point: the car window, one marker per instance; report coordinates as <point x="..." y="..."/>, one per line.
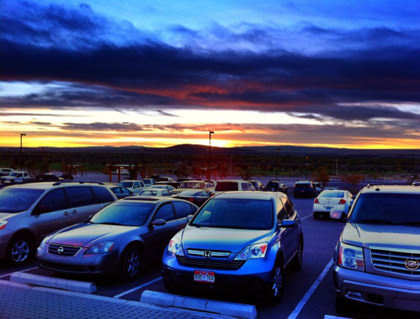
<point x="241" y="213"/>
<point x="79" y="196"/>
<point x="281" y="211"/>
<point x="289" y="209"/>
<point x="102" y="195"/>
<point x="183" y="209"/>
<point x="226" y="186"/>
<point x="13" y="200"/>
<point x="332" y="194"/>
<point x="247" y="187"/>
<point x="53" y="201"/>
<point x="165" y="212"/>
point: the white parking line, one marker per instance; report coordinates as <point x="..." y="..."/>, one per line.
<point x="309" y="293"/>
<point x="10" y="273"/>
<point x="307" y="216"/>
<point x="138" y="287"/>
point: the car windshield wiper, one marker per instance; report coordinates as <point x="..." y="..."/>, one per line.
<point x="374" y="221"/>
<point x="111" y="223"/>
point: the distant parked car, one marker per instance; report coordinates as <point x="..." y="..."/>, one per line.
<point x="240" y="241"/>
<point x="233" y="185"/>
<point x="6" y="171"/>
<point x="150" y="191"/>
<point x="119" y="239"/>
<point x="148" y="182"/>
<point x="196" y="196"/>
<point x="318" y="187"/>
<point x="339" y="200"/>
<point x="304" y="189"/>
<point x="257" y="184"/>
<point x="377" y="258"/>
<point x="31" y="211"/>
<point x="276" y="186"/>
<point x="121" y="191"/>
<point x="47" y="177"/>
<point x="169" y="188"/>
<point x="16" y="177"/>
<point x="133" y="185"/>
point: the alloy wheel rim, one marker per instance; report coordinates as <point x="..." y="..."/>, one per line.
<point x="133" y="263"/>
<point x="20" y="251"/>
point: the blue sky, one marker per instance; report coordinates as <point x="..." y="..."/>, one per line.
<point x="328" y="73"/>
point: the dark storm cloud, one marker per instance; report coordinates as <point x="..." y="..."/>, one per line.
<point x="123" y="68"/>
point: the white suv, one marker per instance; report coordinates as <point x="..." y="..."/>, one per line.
<point x="16" y="177"/>
<point x="233" y="185"/>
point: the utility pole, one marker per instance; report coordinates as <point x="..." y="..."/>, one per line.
<point x="209" y="166"/>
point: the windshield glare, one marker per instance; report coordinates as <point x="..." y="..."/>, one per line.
<point x="235" y="213"/>
<point x="127" y="214"/>
<point x="14" y="200"/>
<point x="384" y="208"/>
<point x="332" y="194"/>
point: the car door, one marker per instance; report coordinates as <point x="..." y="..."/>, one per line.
<point x="288" y="235"/>
<point x="51" y="213"/>
<point x="82" y="203"/>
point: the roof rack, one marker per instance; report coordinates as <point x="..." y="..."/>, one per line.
<point x="77" y="182"/>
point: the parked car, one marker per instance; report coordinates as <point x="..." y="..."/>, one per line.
<point x="339" y="200"/>
<point x="233" y="185"/>
<point x="169" y="188"/>
<point x="6" y="171"/>
<point x="276" y="186"/>
<point x="133" y="185"/>
<point x="150" y="191"/>
<point x="304" y="189"/>
<point x="121" y="191"/>
<point x="377" y="258"/>
<point x="257" y="184"/>
<point x="47" y="177"/>
<point x="237" y="240"/>
<point x="119" y="239"/>
<point x="196" y="184"/>
<point x="29" y="212"/>
<point x="16" y="177"/>
<point x="174" y="184"/>
<point x="148" y="182"/>
<point x="196" y="196"/>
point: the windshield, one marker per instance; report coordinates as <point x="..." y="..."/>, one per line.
<point x="126" y="184"/>
<point x="302" y="186"/>
<point x="226" y="186"/>
<point x="235" y="213"/>
<point x="14" y="200"/>
<point x="400" y="209"/>
<point x="123" y="213"/>
<point x="192" y="185"/>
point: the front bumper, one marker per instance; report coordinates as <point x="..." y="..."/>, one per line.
<point x="376" y="289"/>
<point x="98" y="264"/>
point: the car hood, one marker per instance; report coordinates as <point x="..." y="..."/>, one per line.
<point x="86" y="234"/>
<point x="233" y="240"/>
<point x="393" y="236"/>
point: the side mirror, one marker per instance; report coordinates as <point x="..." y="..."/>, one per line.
<point x="158" y="222"/>
<point x="287" y="223"/>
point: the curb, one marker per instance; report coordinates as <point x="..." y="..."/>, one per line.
<point x="66" y="284"/>
<point x="233" y="309"/>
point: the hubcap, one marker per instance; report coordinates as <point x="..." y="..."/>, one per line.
<point x="20" y="251"/>
<point x="133" y="263"/>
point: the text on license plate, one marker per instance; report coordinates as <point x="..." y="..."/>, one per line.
<point x="204" y="276"/>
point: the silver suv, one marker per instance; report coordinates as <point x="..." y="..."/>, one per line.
<point x="377" y="259"/>
<point x="31" y="211"/>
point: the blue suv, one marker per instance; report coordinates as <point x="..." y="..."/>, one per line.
<point x="239" y="240"/>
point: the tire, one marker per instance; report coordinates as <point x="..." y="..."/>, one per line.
<point x="21" y="250"/>
<point x="298" y="259"/>
<point x="274" y="290"/>
<point x="130" y="263"/>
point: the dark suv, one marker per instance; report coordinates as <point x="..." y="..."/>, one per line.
<point x="304" y="189"/>
<point x="31" y="211"/>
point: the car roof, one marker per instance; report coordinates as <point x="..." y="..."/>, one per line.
<point x="232" y="180"/>
<point x="396" y="189"/>
<point x="47" y="185"/>
<point x="250" y="195"/>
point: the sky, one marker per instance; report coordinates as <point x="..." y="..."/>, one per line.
<point x="257" y="73"/>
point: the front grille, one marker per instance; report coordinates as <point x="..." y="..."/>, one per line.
<point x="63" y="250"/>
<point x="210" y="263"/>
<point x="400" y="262"/>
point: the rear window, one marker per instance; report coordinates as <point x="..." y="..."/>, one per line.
<point x="399" y="209"/>
<point x="226" y="186"/>
<point x="14" y="200"/>
<point x="236" y="213"/>
<point x="332" y="194"/>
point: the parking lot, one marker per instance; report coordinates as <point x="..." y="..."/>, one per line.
<point x="308" y="293"/>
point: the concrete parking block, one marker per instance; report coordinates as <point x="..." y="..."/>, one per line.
<point x="67" y="284"/>
<point x="233" y="309"/>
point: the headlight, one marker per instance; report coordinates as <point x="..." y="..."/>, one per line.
<point x="350" y="257"/>
<point x="3" y="224"/>
<point x="253" y="252"/>
<point x="175" y="246"/>
<point x="101" y="248"/>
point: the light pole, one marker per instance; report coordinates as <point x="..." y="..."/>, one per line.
<point x="209" y="167"/>
<point x="21" y="154"/>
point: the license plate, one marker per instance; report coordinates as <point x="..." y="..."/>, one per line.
<point x="328" y="207"/>
<point x="204" y="276"/>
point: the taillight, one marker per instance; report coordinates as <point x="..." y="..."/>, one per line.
<point x="316" y="201"/>
<point x="342" y="201"/>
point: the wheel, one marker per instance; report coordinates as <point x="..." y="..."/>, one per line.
<point x="21" y="249"/>
<point x="130" y="263"/>
<point x="298" y="259"/>
<point x="316" y="215"/>
<point x="274" y="290"/>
